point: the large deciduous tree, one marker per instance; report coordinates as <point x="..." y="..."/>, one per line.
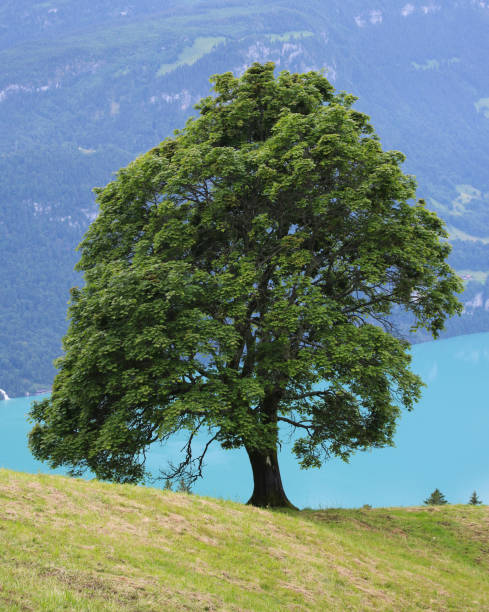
<point x="239" y="281"/>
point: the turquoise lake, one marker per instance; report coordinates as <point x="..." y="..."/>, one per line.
<point x="443" y="443"/>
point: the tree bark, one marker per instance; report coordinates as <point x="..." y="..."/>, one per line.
<point x="268" y="491"/>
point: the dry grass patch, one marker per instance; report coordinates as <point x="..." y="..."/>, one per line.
<point x="79" y="545"/>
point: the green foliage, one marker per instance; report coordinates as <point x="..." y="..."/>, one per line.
<point x="436" y="499"/>
<point x="474" y="499"/>
<point x="240" y="276"/>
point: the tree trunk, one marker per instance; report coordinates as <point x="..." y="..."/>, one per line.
<point x="268" y="491"/>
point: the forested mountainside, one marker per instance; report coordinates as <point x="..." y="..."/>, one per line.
<point x="85" y="87"/>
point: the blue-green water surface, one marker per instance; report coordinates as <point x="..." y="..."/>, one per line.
<point x="443" y="443"/>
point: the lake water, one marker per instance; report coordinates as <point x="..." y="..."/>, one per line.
<point x="443" y="443"/>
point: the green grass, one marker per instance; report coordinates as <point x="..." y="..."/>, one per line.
<point x="70" y="544"/>
<point x="434" y="64"/>
<point x="200" y="47"/>
<point x="287" y="36"/>
<point x="431" y="64"/>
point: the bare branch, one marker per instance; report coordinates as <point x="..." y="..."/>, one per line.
<point x="190" y="468"/>
<point x="299" y="424"/>
<point x="308" y="394"/>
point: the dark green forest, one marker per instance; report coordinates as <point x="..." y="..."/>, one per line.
<point x="85" y="87"/>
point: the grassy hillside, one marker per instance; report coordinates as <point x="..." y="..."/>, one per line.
<point x="74" y="545"/>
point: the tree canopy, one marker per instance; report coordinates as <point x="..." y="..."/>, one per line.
<point x="437" y="498"/>
<point x="239" y="281"/>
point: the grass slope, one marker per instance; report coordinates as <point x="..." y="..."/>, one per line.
<point x="70" y="544"/>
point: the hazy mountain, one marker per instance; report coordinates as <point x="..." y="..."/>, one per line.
<point x="84" y="87"/>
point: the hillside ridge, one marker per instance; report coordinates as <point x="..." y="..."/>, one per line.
<point x="86" y="545"/>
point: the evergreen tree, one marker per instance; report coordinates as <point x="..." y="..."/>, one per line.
<point x="436" y="499"/>
<point x="474" y="500"/>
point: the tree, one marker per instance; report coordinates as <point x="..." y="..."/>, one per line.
<point x="184" y="487"/>
<point x="436" y="499"/>
<point x="474" y="500"/>
<point x="239" y="281"/>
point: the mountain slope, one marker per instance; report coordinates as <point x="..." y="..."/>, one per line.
<point x="72" y="544"/>
<point x="85" y="87"/>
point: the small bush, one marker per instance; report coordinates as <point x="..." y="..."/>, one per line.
<point x="184" y="486"/>
<point x="436" y="499"/>
<point x="474" y="500"/>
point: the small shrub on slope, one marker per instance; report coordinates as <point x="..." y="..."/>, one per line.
<point x="436" y="499"/>
<point x="474" y="500"/>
